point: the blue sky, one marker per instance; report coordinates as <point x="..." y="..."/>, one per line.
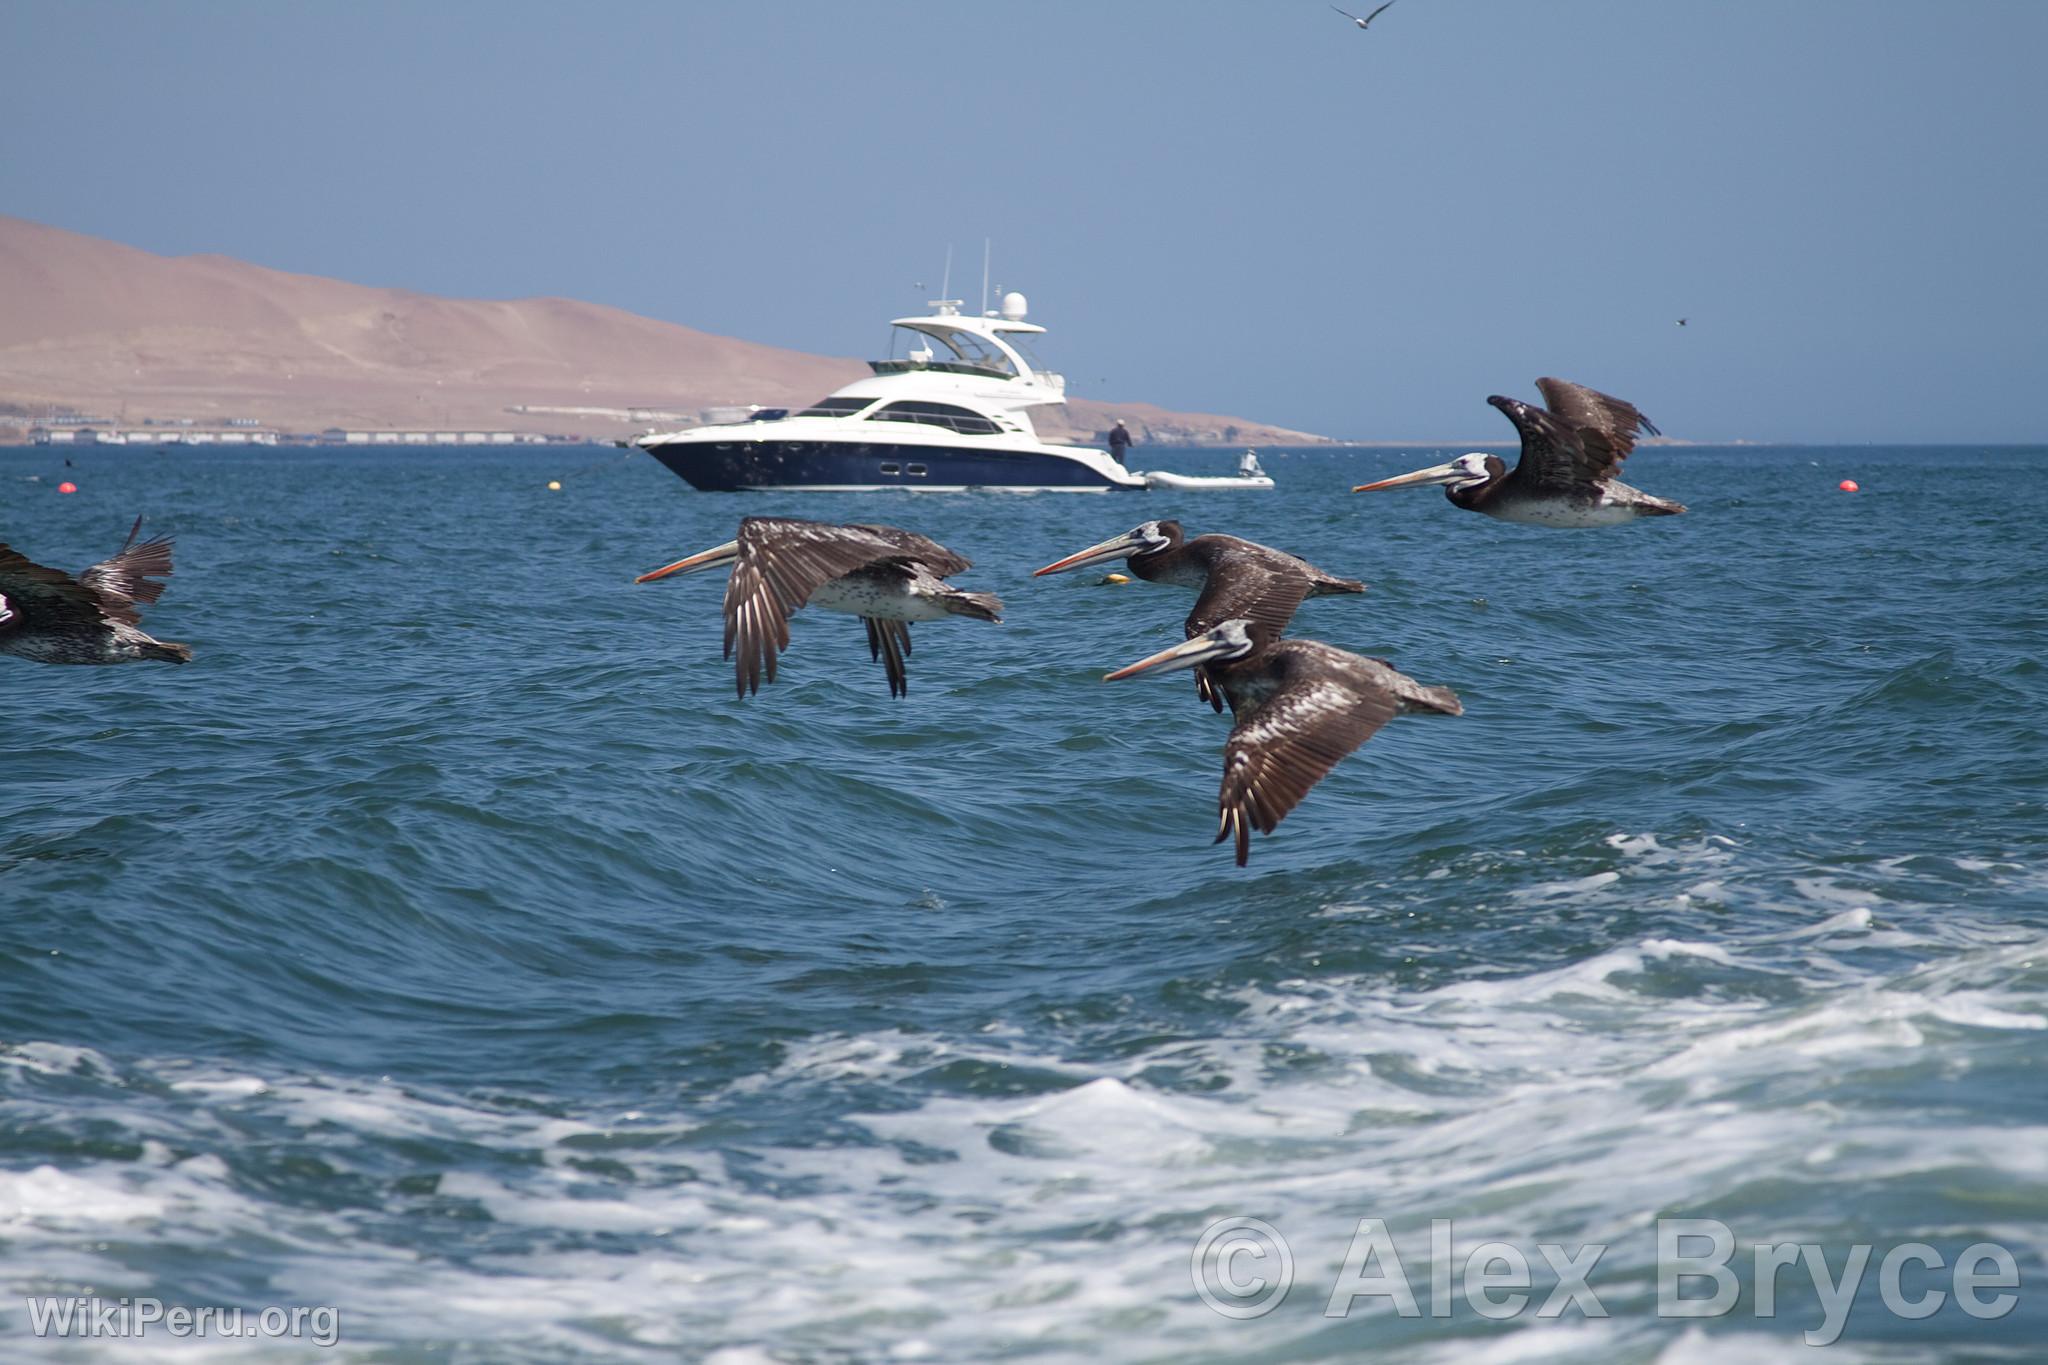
<point x="1246" y="208"/>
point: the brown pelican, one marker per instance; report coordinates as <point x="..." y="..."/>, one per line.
<point x="1366" y="22"/>
<point x="50" y="617"/>
<point x="1566" y="476"/>
<point x="887" y="577"/>
<point x="1301" y="706"/>
<point x="1233" y="577"/>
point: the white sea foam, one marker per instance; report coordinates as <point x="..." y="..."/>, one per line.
<point x="48" y="1197"/>
<point x="1547" y="890"/>
<point x="53" y="1059"/>
<point x="1674" y="947"/>
<point x="1573" y="1103"/>
<point x="225" y="1087"/>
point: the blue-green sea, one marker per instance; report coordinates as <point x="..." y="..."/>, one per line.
<point x="447" y="946"/>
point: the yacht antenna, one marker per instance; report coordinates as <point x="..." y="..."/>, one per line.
<point x="984" y="277"/>
<point x="946" y="284"/>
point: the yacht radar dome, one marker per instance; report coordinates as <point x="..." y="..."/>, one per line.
<point x="1014" y="307"/>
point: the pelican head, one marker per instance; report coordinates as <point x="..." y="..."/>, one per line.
<point x="708" y="559"/>
<point x="1231" y="640"/>
<point x="1467" y="471"/>
<point x="1148" y="539"/>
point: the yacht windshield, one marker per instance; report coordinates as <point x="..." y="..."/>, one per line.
<point x="967" y="348"/>
<point x="1024" y="349"/>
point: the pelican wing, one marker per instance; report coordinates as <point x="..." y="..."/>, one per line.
<point x="1554" y="457"/>
<point x="1326" y="702"/>
<point x="1605" y="426"/>
<point x="783" y="561"/>
<point x="50" y="597"/>
<point x="1249" y="582"/>
<point x="910" y="545"/>
<point x="128" y="579"/>
<point x="1263" y="588"/>
<point x="1287" y="744"/>
<point x="1324" y="707"/>
<point x="1264" y="599"/>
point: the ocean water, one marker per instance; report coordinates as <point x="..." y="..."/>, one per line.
<point x="447" y="946"/>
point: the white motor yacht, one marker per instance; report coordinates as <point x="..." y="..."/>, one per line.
<point x="953" y="414"/>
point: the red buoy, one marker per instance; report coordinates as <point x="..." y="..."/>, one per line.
<point x="67" y="487"/>
<point x="1848" y="486"/>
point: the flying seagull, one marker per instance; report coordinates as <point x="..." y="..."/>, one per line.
<point x="1366" y="22"/>
<point x="49" y="617"/>
<point x="887" y="577"/>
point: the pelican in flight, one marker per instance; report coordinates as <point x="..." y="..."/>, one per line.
<point x="1231" y="577"/>
<point x="50" y="617"/>
<point x="1366" y="22"/>
<point x="1566" y="478"/>
<point x="885" y="576"/>
<point x="1301" y="707"/>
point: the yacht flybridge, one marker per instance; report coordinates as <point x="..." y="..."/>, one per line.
<point x="953" y="414"/>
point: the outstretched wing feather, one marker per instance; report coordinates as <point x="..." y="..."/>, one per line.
<point x="910" y="545"/>
<point x="1281" y="749"/>
<point x="1264" y="589"/>
<point x="49" y="596"/>
<point x="128" y="578"/>
<point x="784" y="560"/>
<point x="1605" y="426"/>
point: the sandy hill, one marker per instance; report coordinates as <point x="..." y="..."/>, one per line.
<point x="96" y="327"/>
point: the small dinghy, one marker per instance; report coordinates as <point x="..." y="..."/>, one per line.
<point x="1249" y="475"/>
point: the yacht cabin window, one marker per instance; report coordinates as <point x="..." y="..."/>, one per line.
<point x="835" y="407"/>
<point x="963" y="420"/>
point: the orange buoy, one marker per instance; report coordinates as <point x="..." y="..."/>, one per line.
<point x="1848" y="486"/>
<point x="67" y="487"/>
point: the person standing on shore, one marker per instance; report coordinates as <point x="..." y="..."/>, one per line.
<point x="1119" y="443"/>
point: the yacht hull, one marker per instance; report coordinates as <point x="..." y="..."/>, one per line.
<point x="850" y="466"/>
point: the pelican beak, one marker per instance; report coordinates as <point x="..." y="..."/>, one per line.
<point x="1436" y="473"/>
<point x="1117" y="548"/>
<point x="709" y="559"/>
<point x="1186" y="654"/>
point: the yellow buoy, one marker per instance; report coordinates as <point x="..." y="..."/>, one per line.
<point x="1115" y="578"/>
<point x="554" y="485"/>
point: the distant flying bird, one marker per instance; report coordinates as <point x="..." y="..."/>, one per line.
<point x="1681" y="322"/>
<point x="1566" y="477"/>
<point x="1301" y="707"/>
<point x="887" y="577"/>
<point x="49" y="617"/>
<point x="1232" y="577"/>
<point x="1366" y="22"/>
